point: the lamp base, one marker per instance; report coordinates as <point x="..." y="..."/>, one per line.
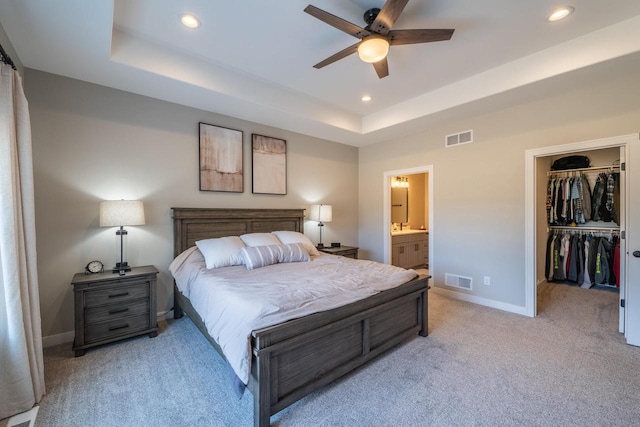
<point x="320" y="246"/>
<point x="121" y="266"/>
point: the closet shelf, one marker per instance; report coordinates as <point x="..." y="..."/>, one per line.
<point x="613" y="168"/>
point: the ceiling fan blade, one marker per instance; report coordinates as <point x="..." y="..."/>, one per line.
<point x="388" y="15"/>
<point x="342" y="54"/>
<point x="382" y="68"/>
<point x="337" y="22"/>
<point x="399" y="37"/>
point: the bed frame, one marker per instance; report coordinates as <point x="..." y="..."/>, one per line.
<point x="294" y="358"/>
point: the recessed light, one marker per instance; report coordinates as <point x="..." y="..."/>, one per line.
<point x="366" y="98"/>
<point x="189" y="21"/>
<point x="560" y="13"/>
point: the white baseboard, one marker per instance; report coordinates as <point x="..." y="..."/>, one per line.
<point x="63" y="338"/>
<point x="24" y="419"/>
<point x="511" y="308"/>
<point x="67" y="337"/>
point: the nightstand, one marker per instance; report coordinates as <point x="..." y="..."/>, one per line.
<point x="346" y="251"/>
<point x="110" y="307"/>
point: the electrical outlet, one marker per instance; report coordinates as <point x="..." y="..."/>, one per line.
<point x="487" y="280"/>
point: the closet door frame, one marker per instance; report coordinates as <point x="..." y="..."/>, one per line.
<point x="530" y="223"/>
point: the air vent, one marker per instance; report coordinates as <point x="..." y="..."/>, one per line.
<point x="461" y="138"/>
<point x="458" y="281"/>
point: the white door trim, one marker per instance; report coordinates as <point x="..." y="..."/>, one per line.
<point x="530" y="202"/>
<point x="386" y="208"/>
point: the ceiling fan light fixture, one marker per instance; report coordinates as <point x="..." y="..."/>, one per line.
<point x="373" y="49"/>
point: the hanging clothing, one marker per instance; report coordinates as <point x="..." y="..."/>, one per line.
<point x="602" y="271"/>
<point x="586" y="278"/>
<point x="598" y="192"/>
<point x="568" y="200"/>
<point x="583" y="259"/>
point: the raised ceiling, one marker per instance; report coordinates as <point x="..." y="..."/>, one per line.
<point x="253" y="59"/>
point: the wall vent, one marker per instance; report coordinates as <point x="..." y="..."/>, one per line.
<point x="458" y="281"/>
<point x="461" y="138"/>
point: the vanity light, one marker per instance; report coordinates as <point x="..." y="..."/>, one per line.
<point x="560" y="13"/>
<point x="400" y="182"/>
<point x="366" y="98"/>
<point x="189" y="21"/>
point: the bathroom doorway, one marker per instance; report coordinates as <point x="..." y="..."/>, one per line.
<point x="408" y="215"/>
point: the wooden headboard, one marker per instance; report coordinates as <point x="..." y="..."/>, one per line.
<point x="191" y="224"/>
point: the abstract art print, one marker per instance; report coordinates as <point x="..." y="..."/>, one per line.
<point x="269" y="165"/>
<point x="220" y="159"/>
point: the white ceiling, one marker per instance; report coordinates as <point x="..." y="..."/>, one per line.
<point x="253" y="59"/>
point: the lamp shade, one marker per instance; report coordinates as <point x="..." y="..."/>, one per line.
<point x="373" y="49"/>
<point x="321" y="213"/>
<point x="115" y="213"/>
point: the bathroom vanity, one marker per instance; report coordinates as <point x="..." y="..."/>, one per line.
<point x="410" y="248"/>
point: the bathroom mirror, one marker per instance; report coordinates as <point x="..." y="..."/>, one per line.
<point x="399" y="204"/>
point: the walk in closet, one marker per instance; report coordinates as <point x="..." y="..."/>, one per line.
<point x="581" y="218"/>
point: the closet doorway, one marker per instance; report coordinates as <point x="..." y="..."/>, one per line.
<point x="612" y="156"/>
<point x="413" y="211"/>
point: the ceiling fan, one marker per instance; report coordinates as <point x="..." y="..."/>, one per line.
<point x="377" y="36"/>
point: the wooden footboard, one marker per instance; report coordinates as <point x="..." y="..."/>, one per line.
<point x="294" y="358"/>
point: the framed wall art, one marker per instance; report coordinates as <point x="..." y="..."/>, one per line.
<point x="269" y="161"/>
<point x="220" y="159"/>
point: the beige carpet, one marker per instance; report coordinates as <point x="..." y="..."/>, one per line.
<point x="479" y="366"/>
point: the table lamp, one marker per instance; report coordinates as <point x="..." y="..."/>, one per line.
<point x="118" y="213"/>
<point x="322" y="214"/>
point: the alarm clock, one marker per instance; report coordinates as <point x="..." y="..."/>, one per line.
<point x="94" y="267"/>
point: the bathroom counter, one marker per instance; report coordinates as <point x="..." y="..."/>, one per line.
<point x="405" y="232"/>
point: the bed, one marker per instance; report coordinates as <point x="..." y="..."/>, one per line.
<point x="286" y="363"/>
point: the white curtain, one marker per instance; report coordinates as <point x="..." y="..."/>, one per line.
<point x="21" y="365"/>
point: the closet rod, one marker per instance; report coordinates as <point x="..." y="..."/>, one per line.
<point x="592" y="169"/>
<point x="6" y="58"/>
<point x="583" y="229"/>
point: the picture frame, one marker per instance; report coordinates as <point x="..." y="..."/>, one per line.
<point x="269" y="165"/>
<point x="221" y="159"/>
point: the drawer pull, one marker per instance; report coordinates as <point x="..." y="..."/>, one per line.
<point x="122" y="294"/>
<point x="118" y="310"/>
<point x="115" y="328"/>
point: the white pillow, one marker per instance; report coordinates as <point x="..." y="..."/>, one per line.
<point x="261" y="256"/>
<point x="221" y="252"/>
<point x="260" y="239"/>
<point x="296" y="237"/>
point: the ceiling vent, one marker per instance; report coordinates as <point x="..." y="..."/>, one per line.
<point x="461" y="138"/>
<point x="458" y="281"/>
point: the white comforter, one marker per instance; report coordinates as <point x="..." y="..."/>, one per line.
<point x="234" y="301"/>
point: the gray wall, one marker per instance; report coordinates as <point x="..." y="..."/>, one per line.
<point x="92" y="143"/>
<point x="478" y="189"/>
